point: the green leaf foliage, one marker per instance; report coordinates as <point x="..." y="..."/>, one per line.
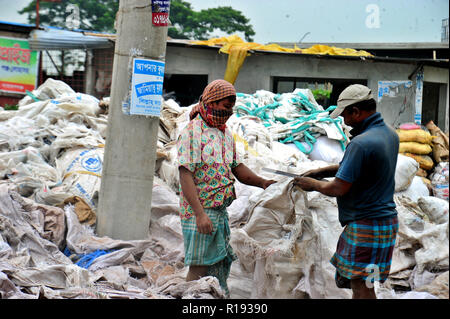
<point x="8" y="107"/>
<point x="190" y="24"/>
<point x="95" y="15"/>
<point x="99" y="15"/>
<point x="321" y="94"/>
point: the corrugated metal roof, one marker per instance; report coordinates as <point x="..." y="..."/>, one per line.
<point x="58" y="39"/>
<point x="371" y="45"/>
<point x="433" y="62"/>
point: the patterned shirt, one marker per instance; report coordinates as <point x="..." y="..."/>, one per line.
<point x="210" y="155"/>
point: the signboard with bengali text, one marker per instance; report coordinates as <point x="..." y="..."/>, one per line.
<point x="147" y="87"/>
<point x="18" y="66"/>
<point x="160" y="12"/>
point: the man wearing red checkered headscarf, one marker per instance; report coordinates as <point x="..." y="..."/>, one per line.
<point x="215" y="91"/>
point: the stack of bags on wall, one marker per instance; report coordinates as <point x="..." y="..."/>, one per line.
<point x="416" y="143"/>
<point x="429" y="146"/>
<point x="439" y="177"/>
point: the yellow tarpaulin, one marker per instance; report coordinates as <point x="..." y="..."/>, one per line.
<point x="237" y="50"/>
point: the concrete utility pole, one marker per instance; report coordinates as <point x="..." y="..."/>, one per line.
<point x="130" y="151"/>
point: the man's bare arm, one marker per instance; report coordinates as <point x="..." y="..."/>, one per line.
<point x="324" y="172"/>
<point x="334" y="188"/>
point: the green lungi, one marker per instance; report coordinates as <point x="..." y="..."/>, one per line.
<point x="210" y="250"/>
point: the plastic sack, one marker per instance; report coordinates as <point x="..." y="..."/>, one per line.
<point x="435" y="208"/>
<point x="81" y="170"/>
<point x="409" y="126"/>
<point x="327" y="150"/>
<point x="422" y="173"/>
<point x="168" y="168"/>
<point x="33" y="173"/>
<point x="250" y="129"/>
<point x="50" y="89"/>
<point x="440" y="143"/>
<point x="425" y="162"/>
<point x="439" y="180"/>
<point x="285" y="246"/>
<point x="415" y="148"/>
<point x="405" y="171"/>
<point x="418" y="188"/>
<point x="416" y="135"/>
<point x="288" y="154"/>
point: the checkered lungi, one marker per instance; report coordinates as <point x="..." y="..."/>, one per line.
<point x="365" y="249"/>
<point x="210" y="250"/>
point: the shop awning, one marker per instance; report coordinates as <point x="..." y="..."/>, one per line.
<point x="57" y="39"/>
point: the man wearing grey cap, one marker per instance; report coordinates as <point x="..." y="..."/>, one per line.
<point x="363" y="185"/>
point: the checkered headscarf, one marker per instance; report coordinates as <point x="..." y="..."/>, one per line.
<point x="214" y="91"/>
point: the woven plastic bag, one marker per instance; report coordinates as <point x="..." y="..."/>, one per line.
<point x="417" y="135"/>
<point x="405" y="171"/>
<point x="415" y="148"/>
<point x="286" y="244"/>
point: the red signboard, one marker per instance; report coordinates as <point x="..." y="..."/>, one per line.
<point x="160" y="12"/>
<point x="160" y="19"/>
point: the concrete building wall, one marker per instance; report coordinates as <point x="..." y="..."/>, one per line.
<point x="258" y="71"/>
<point x="182" y="60"/>
<point x="440" y="76"/>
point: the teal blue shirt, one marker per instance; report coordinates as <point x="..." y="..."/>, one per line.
<point x="369" y="164"/>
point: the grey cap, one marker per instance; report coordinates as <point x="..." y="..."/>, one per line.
<point x="352" y="94"/>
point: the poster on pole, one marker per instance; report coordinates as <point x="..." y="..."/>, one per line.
<point x="18" y="66"/>
<point x="419" y="93"/>
<point x="147" y="87"/>
<point x="160" y="12"/>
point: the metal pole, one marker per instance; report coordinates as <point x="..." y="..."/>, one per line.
<point x="37" y="14"/>
<point x="125" y="195"/>
<point x="40" y="76"/>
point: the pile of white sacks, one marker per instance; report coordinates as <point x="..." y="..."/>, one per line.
<point x="51" y="151"/>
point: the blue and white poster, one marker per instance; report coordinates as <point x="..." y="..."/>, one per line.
<point x="392" y="88"/>
<point x="419" y="93"/>
<point x="147" y="87"/>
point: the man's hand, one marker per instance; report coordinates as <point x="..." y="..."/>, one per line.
<point x="314" y="173"/>
<point x="320" y="173"/>
<point x="204" y="224"/>
<point x="337" y="187"/>
<point x="306" y="183"/>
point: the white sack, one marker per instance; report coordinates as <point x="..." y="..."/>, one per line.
<point x="81" y="170"/>
<point x="439" y="180"/>
<point x="416" y="189"/>
<point x="435" y="208"/>
<point x="285" y="247"/>
<point x="33" y="174"/>
<point x="48" y="90"/>
<point x="404" y="172"/>
<point x="327" y="150"/>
